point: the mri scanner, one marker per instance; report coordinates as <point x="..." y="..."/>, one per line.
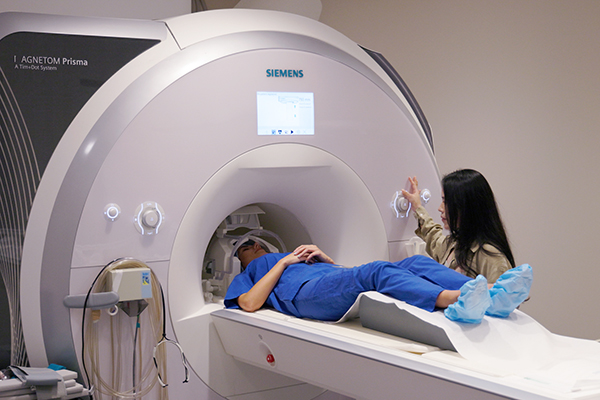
<point x="163" y="140"/>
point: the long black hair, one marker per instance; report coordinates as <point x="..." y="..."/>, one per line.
<point x="472" y="215"/>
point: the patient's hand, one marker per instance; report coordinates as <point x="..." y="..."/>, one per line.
<point x="310" y="253"/>
<point x="291" y="259"/>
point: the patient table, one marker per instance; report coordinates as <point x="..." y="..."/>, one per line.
<point x="366" y="364"/>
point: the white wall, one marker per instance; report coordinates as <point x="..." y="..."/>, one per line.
<point x="512" y="89"/>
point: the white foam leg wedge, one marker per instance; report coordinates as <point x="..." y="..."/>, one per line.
<point x="510" y="290"/>
<point x="472" y="303"/>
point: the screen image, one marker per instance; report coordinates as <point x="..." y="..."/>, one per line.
<point x="285" y="113"/>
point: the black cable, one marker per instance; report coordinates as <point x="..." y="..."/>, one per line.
<point x="164" y="315"/>
<point x="165" y="339"/>
<point x="135" y="337"/>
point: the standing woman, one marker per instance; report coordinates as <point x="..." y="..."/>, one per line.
<point x="477" y="244"/>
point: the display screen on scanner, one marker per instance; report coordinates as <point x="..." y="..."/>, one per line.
<point x="285" y="113"/>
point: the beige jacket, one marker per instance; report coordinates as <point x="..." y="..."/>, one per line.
<point x="441" y="249"/>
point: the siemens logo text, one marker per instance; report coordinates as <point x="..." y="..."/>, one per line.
<point x="285" y="73"/>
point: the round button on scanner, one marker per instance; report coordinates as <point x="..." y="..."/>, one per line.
<point x="112" y="211"/>
<point x="149" y="217"/>
<point x="425" y="195"/>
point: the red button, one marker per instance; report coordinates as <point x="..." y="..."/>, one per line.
<point x="270" y="359"/>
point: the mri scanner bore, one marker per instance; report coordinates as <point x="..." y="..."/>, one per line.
<point x="161" y="145"/>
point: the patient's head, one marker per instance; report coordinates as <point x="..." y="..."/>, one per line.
<point x="249" y="251"/>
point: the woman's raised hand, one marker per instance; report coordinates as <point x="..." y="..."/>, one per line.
<point x="414" y="196"/>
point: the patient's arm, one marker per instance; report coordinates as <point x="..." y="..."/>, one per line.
<point x="311" y="253"/>
<point x="258" y="294"/>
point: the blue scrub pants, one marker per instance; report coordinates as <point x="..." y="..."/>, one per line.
<point x="416" y="280"/>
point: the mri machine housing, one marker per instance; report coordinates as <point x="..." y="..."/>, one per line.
<point x="158" y="151"/>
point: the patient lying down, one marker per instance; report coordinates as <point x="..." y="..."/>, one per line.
<point x="308" y="284"/>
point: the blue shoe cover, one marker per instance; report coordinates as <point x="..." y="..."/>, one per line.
<point x="472" y="303"/>
<point x="510" y="290"/>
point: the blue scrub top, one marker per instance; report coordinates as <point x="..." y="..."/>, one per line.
<point x="286" y="289"/>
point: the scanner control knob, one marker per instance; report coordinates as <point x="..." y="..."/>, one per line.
<point x="400" y="205"/>
<point x="149" y="217"/>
